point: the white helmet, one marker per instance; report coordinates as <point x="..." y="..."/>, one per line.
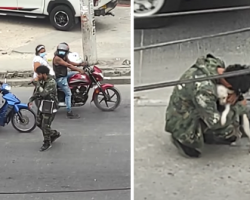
<point x="74" y="57"/>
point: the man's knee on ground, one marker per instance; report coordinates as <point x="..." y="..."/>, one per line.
<point x="226" y="132"/>
<point x="225" y="135"/>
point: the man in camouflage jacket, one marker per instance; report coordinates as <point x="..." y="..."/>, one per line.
<point x="46" y="89"/>
<point x="192" y="116"/>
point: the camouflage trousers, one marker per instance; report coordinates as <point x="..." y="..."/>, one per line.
<point x="195" y="134"/>
<point x="44" y="122"/>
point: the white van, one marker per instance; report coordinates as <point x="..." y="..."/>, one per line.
<point x="63" y="14"/>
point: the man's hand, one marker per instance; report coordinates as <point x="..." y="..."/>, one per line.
<point x="30" y="104"/>
<point x="83" y="64"/>
<point x="244" y="102"/>
<point x="81" y="71"/>
<point x="232" y="98"/>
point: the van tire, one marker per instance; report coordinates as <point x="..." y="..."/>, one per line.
<point x="159" y="22"/>
<point x="66" y="13"/>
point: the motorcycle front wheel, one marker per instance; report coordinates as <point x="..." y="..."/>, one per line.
<point x="23" y="119"/>
<point x="110" y="104"/>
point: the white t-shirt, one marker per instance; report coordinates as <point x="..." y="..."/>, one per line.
<point x="42" y="62"/>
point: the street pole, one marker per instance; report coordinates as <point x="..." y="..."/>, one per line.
<point x="88" y="31"/>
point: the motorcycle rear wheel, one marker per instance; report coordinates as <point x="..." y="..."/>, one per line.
<point x="117" y="103"/>
<point x="16" y="116"/>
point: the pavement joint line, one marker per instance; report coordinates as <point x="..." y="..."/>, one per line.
<point x="13" y="140"/>
<point x="152" y="106"/>
<point x="65" y="191"/>
<point x="123" y="5"/>
<point x="23" y="82"/>
<point x="111" y="135"/>
<point x="150" y="101"/>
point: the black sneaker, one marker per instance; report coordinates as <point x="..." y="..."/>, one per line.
<point x="210" y="139"/>
<point x="55" y="137"/>
<point x="185" y="150"/>
<point x="46" y="146"/>
<point x="70" y="115"/>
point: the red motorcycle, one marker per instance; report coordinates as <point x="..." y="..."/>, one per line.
<point x="80" y="86"/>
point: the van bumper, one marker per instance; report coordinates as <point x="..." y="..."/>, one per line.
<point x="105" y="9"/>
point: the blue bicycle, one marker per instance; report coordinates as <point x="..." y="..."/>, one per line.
<point x="16" y="112"/>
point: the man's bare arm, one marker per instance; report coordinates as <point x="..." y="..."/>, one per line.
<point x="60" y="61"/>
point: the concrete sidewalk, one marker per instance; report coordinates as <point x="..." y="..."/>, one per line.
<point x="113" y="45"/>
<point x="221" y="172"/>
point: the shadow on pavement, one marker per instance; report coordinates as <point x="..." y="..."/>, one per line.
<point x="27" y="21"/>
<point x="206" y="4"/>
<point x="45" y="23"/>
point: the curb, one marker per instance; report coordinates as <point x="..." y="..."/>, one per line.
<point x="121" y="71"/>
<point x="124" y="3"/>
<point x="125" y="80"/>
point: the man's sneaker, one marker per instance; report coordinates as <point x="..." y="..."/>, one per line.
<point x="70" y="115"/>
<point x="185" y="151"/>
<point x="46" y="146"/>
<point x="55" y="137"/>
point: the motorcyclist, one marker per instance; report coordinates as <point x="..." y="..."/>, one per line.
<point x="60" y="66"/>
<point x="71" y="62"/>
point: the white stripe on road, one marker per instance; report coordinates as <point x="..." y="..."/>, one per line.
<point x="27" y="140"/>
<point x="111" y="135"/>
<point x="150" y="102"/>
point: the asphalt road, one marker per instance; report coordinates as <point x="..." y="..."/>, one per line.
<point x="93" y="153"/>
<point x="223" y="172"/>
<point x="167" y="63"/>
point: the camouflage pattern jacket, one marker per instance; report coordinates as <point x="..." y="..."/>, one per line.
<point x="191" y="102"/>
<point x="46" y="90"/>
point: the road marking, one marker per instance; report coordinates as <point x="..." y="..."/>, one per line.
<point x="150" y="102"/>
<point x="116" y="134"/>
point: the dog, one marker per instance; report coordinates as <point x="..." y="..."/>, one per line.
<point x="222" y="94"/>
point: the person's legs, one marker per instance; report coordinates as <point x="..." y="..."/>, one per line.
<point x="39" y="119"/>
<point x="224" y="135"/>
<point x="189" y="141"/>
<point x="54" y="133"/>
<point x="45" y="127"/>
<point x="63" y="84"/>
<point x="185" y="150"/>
<point x="71" y="73"/>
